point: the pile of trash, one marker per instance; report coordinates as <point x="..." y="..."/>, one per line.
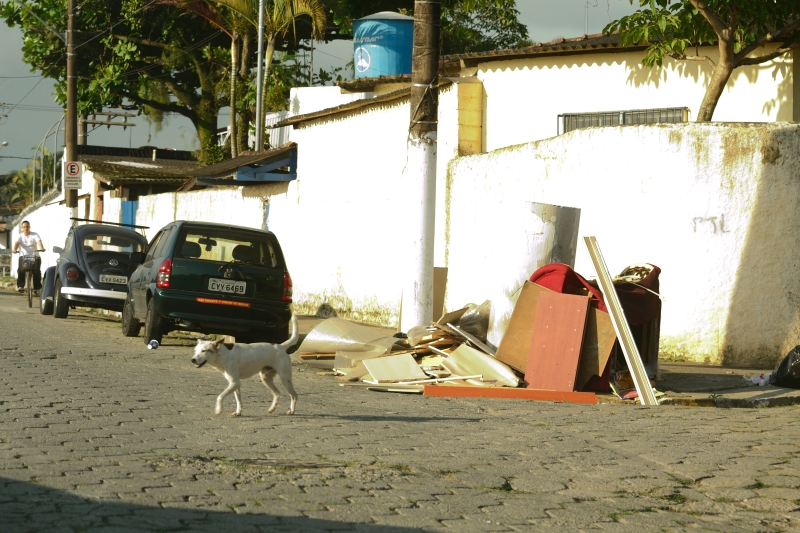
<point x="451" y="351"/>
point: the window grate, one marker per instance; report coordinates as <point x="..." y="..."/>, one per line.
<point x="575" y="121"/>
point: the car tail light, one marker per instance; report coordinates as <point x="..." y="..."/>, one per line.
<point x="164" y="271"/>
<point x="286" y="296"/>
<point x="73" y="273"/>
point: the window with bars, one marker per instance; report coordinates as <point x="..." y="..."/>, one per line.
<point x="575" y="121"/>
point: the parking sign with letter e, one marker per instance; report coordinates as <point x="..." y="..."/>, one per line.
<point x="73" y="175"/>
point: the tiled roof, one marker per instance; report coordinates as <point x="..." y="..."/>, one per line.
<point x="597" y="42"/>
<point x="353" y="106"/>
<point x="367" y="84"/>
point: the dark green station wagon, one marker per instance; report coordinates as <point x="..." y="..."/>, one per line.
<point x="210" y="278"/>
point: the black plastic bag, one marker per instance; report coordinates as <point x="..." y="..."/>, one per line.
<point x="787" y="373"/>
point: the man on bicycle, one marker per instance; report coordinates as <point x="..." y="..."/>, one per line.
<point x="30" y="243"/>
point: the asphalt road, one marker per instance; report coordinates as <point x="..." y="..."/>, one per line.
<point x="97" y="433"/>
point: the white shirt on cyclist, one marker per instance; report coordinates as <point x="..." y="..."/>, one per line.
<point x="28" y="243"/>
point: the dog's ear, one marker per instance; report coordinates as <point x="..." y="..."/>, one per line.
<point x="217" y="343"/>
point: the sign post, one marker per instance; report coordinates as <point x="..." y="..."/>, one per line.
<point x="73" y="175"/>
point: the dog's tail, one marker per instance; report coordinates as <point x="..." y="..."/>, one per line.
<point x="295" y="334"/>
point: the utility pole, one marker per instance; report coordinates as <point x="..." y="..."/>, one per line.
<point x="417" y="304"/>
<point x="260" y="78"/>
<point x="71" y="127"/>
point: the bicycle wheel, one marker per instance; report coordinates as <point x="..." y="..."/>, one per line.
<point x="29" y="287"/>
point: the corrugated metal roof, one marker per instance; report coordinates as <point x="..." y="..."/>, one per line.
<point x="247" y="158"/>
<point x="121" y="170"/>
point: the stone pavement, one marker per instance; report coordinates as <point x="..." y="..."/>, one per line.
<point x="98" y="433"/>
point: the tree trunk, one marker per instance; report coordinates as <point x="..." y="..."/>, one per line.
<point x="232" y="135"/>
<point x="246" y="114"/>
<point x="719" y="79"/>
<point x="267" y="64"/>
<point x="205" y="122"/>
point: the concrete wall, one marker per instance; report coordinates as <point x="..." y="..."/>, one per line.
<point x="714" y="205"/>
<point x="223" y="205"/>
<point x="523" y="97"/>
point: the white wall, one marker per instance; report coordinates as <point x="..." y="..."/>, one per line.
<point x="523" y="97"/>
<point x="714" y="205"/>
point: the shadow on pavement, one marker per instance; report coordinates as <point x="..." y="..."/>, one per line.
<point x="31" y="507"/>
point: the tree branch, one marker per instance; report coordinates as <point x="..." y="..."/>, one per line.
<point x="717" y="24"/>
<point x="682" y="57"/>
<point x="142" y="41"/>
<point x="170" y="107"/>
<point x="781" y="35"/>
<point x="787" y="47"/>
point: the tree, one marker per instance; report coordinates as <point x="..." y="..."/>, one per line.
<point x="155" y="55"/>
<point x="467" y="25"/>
<point x="279" y="18"/>
<point x="24" y="184"/>
<point x="740" y="28"/>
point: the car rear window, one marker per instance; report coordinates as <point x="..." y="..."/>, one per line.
<point x="222" y="245"/>
<point x="98" y="242"/>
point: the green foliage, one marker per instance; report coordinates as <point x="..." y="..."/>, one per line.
<point x="481" y="26"/>
<point x="24" y="184"/>
<point x="211" y="153"/>
<point x="467" y="25"/>
<point x="672" y="27"/>
<point x="155" y="55"/>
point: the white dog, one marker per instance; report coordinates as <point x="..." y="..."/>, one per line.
<point x="240" y="361"/>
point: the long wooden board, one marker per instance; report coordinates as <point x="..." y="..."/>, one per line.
<point x="511" y="393"/>
<point x="556" y="341"/>
<point x="621" y="327"/>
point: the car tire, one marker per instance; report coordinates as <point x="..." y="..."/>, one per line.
<point x="45" y="305"/>
<point x="153" y="324"/>
<point x="130" y="324"/>
<point x="60" y="304"/>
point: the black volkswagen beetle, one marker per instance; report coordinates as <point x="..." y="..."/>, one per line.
<point x="92" y="269"/>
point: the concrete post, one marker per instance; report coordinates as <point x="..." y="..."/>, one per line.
<point x="417" y="299"/>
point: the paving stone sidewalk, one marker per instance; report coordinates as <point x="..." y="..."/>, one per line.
<point x="98" y="433"/>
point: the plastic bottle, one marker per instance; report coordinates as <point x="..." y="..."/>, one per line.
<point x="152" y="345"/>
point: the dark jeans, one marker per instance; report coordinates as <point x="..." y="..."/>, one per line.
<point x="37" y="275"/>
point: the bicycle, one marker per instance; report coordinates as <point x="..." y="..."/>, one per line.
<point x="28" y="266"/>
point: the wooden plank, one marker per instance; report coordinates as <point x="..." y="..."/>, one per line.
<point x="515" y="346"/>
<point x="598" y="342"/>
<point x="556" y="341"/>
<point x="511" y="393"/>
<point x="621" y="327"/>
<point x="474" y="340"/>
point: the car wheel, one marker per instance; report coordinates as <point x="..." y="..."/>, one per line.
<point x="45" y="305"/>
<point x="60" y="305"/>
<point x="153" y="324"/>
<point x="130" y="325"/>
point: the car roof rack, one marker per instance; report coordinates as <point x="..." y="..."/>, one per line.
<point x="110" y="223"/>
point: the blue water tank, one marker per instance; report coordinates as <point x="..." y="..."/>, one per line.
<point x="382" y="44"/>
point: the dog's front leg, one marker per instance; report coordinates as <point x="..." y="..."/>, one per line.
<point x="238" y="395"/>
<point x="232" y="386"/>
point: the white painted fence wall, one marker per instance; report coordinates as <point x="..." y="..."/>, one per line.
<point x="714" y="205"/>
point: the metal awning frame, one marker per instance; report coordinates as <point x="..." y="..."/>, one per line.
<point x="257" y="172"/>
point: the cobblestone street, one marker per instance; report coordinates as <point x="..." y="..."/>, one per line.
<point x="99" y="433"/>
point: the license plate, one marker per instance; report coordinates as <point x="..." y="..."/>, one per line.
<point x="226" y="285"/>
<point x="120" y="280"/>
